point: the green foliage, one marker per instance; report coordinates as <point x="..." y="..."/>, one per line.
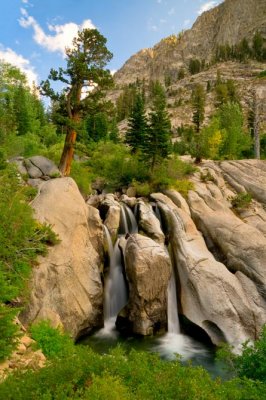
<point x="262" y="74"/>
<point x="241" y="201"/>
<point x="194" y="66"/>
<point x="198" y="105"/>
<point x="22" y="239"/>
<point x="157" y="144"/>
<point x="52" y="342"/>
<point x="250" y="363"/>
<point x="226" y="92"/>
<point x="86" y="62"/>
<point x="243" y="50"/>
<point x="125" y="102"/>
<point x="97" y="126"/>
<point x="235" y="141"/>
<point x="117" y="168"/>
<point x="137" y="126"/>
<point x="82" y="176"/>
<point x="83" y="374"/>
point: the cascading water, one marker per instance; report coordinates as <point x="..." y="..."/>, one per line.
<point x="173" y="341"/>
<point x="115" y="291"/>
<point x="115" y="288"/>
<point x="132" y="223"/>
<point x="172" y="309"/>
<point x="124" y="229"/>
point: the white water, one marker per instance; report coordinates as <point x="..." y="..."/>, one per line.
<point x="115" y="287"/>
<point x="110" y="246"/>
<point x="132" y="223"/>
<point x="115" y="290"/>
<point x="172" y="309"/>
<point x="123" y="224"/>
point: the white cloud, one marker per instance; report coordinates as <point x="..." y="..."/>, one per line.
<point x="113" y="71"/>
<point x="207" y="6"/>
<point x="171" y="12"/>
<point x="25" y="1"/>
<point x="186" y="23"/>
<point x="10" y="56"/>
<point x="61" y="35"/>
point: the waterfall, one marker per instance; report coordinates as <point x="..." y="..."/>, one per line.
<point x="128" y="220"/>
<point x="132" y="223"/>
<point x="123" y="229"/>
<point x="158" y="214"/>
<point x="109" y="241"/>
<point x="115" y="287"/>
<point x="172" y="309"/>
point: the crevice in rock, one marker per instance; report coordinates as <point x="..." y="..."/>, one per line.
<point x="195" y="331"/>
<point x="214" y="331"/>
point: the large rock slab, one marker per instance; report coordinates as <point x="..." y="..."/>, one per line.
<point x="242" y="245"/>
<point x="149" y="223"/>
<point x="148" y="271"/>
<point x="210" y="296"/>
<point x="110" y="211"/>
<point x="66" y="286"/>
<point x="250" y="174"/>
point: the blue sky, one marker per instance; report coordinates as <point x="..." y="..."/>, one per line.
<point x="34" y="33"/>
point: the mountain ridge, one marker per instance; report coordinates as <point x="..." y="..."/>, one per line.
<point x="227" y="23"/>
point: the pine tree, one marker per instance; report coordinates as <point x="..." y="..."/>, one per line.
<point x="157" y="143"/>
<point x="198" y="105"/>
<point x="86" y="61"/>
<point x="135" y="136"/>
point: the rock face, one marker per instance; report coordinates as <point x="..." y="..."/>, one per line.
<point x="66" y="285"/>
<point x="210" y="295"/>
<point x="229" y="23"/>
<point x="149" y="223"/>
<point x="37" y="167"/>
<point x="110" y="211"/>
<point x="148" y="273"/>
<point x="220" y="252"/>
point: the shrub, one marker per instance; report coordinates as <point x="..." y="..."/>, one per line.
<point x="22" y="239"/>
<point x="250" y="363"/>
<point x="82" y="175"/>
<point x="52" y="342"/>
<point x="241" y="200"/>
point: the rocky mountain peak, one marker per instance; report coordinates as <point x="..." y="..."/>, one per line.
<point x="228" y="23"/>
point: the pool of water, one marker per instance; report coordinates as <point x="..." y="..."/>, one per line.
<point x="167" y="346"/>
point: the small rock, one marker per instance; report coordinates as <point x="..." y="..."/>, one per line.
<point x="26" y="341"/>
<point x="21" y="349"/>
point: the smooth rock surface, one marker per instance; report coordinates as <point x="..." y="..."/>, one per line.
<point x="148" y="272"/>
<point x="210" y="295"/>
<point x="149" y="223"/>
<point x="66" y="286"/>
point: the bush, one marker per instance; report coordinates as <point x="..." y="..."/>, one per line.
<point x="22" y="240"/>
<point x="84" y="374"/>
<point x="250" y="364"/>
<point x="52" y="342"/>
<point x="241" y="200"/>
<point x="83" y="177"/>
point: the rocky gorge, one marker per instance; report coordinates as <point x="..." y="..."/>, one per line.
<point x="216" y="248"/>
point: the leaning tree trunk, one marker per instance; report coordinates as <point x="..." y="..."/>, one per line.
<point x="68" y="152"/>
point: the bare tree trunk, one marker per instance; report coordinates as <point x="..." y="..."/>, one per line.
<point x="256" y="141"/>
<point x="256" y="128"/>
<point x="68" y="152"/>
